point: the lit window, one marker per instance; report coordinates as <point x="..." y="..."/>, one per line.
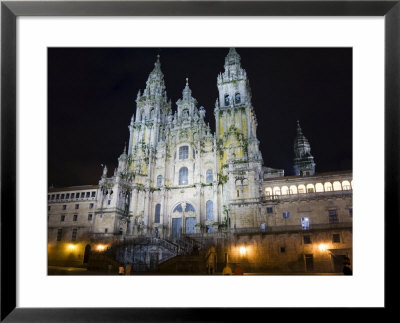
<point x="226" y="98"/>
<point x="319" y="187"/>
<point x="159" y="181"/>
<point x="270" y="210"/>
<point x="336" y="238"/>
<point x="209" y="176"/>
<point x="268" y="191"/>
<point x="286" y="215"/>
<point x="277" y="191"/>
<point x="183" y="176"/>
<point x="305" y="223"/>
<point x="237" y="98"/>
<point x="333" y="218"/>
<point x="285" y="190"/>
<point x="157" y="214"/>
<point x="74" y="232"/>
<point x="90" y="217"/>
<point x="75" y="217"/>
<point x="209" y="211"/>
<point x="59" y="234"/>
<point x="337" y="186"/>
<point x="301" y="189"/>
<point x="307" y="239"/>
<point x="328" y="187"/>
<point x="184" y="152"/>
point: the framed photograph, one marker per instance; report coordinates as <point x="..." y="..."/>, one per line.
<point x="248" y="170"/>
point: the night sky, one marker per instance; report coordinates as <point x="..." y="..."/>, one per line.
<point x="92" y="92"/>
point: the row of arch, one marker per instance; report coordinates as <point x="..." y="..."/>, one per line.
<point x="309" y="188"/>
<point x="183" y="177"/>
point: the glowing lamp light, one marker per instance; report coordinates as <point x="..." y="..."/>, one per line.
<point x="71" y="247"/>
<point x="100" y="247"/>
<point x="322" y="247"/>
<point x="242" y="251"/>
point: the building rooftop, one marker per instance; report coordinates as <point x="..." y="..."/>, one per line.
<point x="73" y="188"/>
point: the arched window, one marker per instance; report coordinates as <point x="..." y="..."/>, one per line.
<point x="189" y="207"/>
<point x="209" y="176"/>
<point x="226" y="99"/>
<point x="310" y="188"/>
<point x="301" y="189"/>
<point x="237" y="98"/>
<point x="159" y="181"/>
<point x="157" y="214"/>
<point x="184" y="152"/>
<point x="285" y="190"/>
<point x="328" y="187"/>
<point x="319" y="187"/>
<point x="346" y="185"/>
<point x="337" y="186"/>
<point x="293" y="189"/>
<point x="183" y="176"/>
<point x="209" y="211"/>
<point x="268" y="191"/>
<point x="277" y="190"/>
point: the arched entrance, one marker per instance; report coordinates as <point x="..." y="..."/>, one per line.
<point x="183" y="219"/>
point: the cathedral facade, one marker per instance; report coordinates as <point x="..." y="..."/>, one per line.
<point x="177" y="179"/>
<point x="176" y="176"/>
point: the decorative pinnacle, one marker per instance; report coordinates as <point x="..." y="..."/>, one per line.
<point x="187" y="81"/>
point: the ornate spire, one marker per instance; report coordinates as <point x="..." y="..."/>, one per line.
<point x="303" y="161"/>
<point x="233" y="69"/>
<point x="233" y="58"/>
<point x="187" y="92"/>
<point x="155" y="85"/>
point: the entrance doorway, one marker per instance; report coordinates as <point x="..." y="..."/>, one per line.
<point x="87" y="254"/>
<point x="176" y="227"/>
<point x="338" y="261"/>
<point x="190" y="225"/>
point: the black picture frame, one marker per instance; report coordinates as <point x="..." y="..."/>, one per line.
<point x="10" y="10"/>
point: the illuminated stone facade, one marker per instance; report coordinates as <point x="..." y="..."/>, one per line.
<point x="176" y="178"/>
